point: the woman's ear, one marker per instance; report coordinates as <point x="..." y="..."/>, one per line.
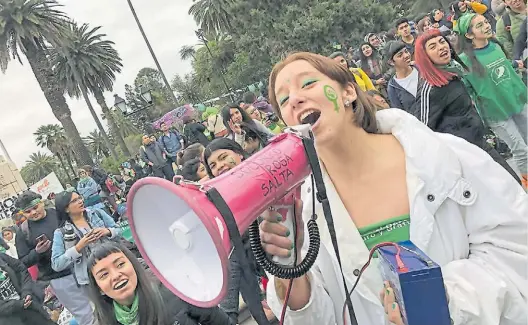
<point x="350" y="93"/>
<point x="469" y="36"/>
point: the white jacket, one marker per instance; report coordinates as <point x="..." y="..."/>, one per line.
<point x="467" y="214"/>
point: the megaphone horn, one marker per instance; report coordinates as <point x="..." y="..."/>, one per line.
<point x="183" y="237"/>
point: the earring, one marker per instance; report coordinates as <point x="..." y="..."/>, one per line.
<point x="347" y="103"/>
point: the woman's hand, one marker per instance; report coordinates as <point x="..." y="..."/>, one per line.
<point x="274" y="234"/>
<point x="392" y="309"/>
<point x="235" y="127"/>
<point x="101" y="232"/>
<point x="87" y="239"/>
<point x="381" y="81"/>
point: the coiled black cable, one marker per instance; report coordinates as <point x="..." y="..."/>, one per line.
<point x="283" y="271"/>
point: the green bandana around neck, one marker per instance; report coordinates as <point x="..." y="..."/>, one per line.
<point x="127" y="315"/>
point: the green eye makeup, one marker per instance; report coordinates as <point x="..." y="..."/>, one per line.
<point x="309" y="82"/>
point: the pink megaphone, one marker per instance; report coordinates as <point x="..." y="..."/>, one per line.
<point x="184" y="238"/>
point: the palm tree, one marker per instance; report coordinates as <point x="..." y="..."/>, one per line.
<point x="97" y="144"/>
<point x="52" y="136"/>
<point x="25" y="28"/>
<point x="125" y="126"/>
<point x="212" y="15"/>
<point x="38" y="166"/>
<point x="187" y="52"/>
<point x="97" y="62"/>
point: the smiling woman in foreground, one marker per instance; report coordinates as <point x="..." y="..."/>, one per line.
<point x="387" y="170"/>
<point x="125" y="294"/>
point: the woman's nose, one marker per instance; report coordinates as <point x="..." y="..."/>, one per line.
<point x="296" y="100"/>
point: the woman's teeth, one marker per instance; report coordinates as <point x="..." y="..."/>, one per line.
<point x="303" y="115"/>
<point x="120" y="285"/>
<point x="311" y="118"/>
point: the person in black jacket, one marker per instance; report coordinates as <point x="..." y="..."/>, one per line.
<point x="17" y="303"/>
<point x="124" y="293"/>
<point x="194" y="132"/>
<point x="443" y="103"/>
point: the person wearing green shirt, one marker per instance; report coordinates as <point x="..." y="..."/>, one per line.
<point x="500" y="93"/>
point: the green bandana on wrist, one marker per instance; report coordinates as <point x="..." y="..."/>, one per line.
<point x="31" y="204"/>
<point x="127" y="315"/>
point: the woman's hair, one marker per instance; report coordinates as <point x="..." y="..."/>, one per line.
<point x="226" y="115"/>
<point x="456" y="10"/>
<point x="190" y="170"/>
<point x="364" y="107"/>
<point x="193" y="151"/>
<point x="432" y="14"/>
<point x="428" y="70"/>
<point x="421" y="24"/>
<point x="62" y="200"/>
<point x="363" y="60"/>
<point x="219" y="144"/>
<point x="251" y="132"/>
<point x="466" y="46"/>
<point x="151" y="309"/>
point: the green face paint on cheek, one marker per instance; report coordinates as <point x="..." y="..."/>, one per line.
<point x="331" y="95"/>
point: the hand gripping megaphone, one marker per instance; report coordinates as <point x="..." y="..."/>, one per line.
<point x="183" y="236"/>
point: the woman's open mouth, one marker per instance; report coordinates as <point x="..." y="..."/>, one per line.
<point x="310" y="117"/>
<point x="444" y="54"/>
<point x="120" y="285"/>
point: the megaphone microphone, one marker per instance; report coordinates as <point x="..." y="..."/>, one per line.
<point x="183" y="236"/>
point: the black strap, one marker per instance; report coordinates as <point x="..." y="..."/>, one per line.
<point x="311" y="154"/>
<point x="250" y="293"/>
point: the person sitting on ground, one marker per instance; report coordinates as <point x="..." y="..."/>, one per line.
<point x="18" y="305"/>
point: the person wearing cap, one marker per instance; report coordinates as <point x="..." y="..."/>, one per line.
<point x="404" y="86"/>
<point x="33" y="243"/>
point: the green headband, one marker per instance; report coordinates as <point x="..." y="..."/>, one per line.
<point x="463" y="23"/>
<point x="31" y="204"/>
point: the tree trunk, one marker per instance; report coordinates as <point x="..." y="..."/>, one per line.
<point x="63" y="166"/>
<point x="111" y="122"/>
<point x="55" y="96"/>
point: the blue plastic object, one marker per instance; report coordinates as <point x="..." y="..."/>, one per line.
<point x="419" y="288"/>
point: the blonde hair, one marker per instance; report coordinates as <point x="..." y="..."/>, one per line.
<point x="364" y="107"/>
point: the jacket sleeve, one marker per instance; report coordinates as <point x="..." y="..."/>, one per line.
<point x="143" y="154"/>
<point x="26" y="253"/>
<point x="62" y="258"/>
<point x="520" y="42"/>
<point x="393" y="98"/>
<point x="491" y="284"/>
<point x="368" y="83"/>
<point x="9" y="307"/>
<point x="109" y="223"/>
<point x="503" y="36"/>
<point x="21" y="270"/>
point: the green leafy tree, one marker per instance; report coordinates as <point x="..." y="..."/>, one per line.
<point x="52" y="137"/>
<point x="26" y="27"/>
<point x="187" y="52"/>
<point x="96" y="61"/>
<point x="97" y="144"/>
<point x="212" y="15"/>
<point x="38" y="166"/>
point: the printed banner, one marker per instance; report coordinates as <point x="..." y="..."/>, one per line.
<point x="174" y="116"/>
<point x="7" y="207"/>
<point x="47" y="185"/>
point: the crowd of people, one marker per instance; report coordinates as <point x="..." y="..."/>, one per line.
<point x="409" y="126"/>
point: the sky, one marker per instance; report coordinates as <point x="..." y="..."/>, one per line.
<point x="168" y="27"/>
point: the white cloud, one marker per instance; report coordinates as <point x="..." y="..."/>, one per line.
<point x="168" y="27"/>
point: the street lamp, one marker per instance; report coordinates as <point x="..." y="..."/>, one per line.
<point x="121" y="104"/>
<point x="201" y="36"/>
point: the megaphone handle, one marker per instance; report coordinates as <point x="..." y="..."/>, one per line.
<point x="287" y="213"/>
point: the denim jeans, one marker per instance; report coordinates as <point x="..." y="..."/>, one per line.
<point x="513" y="132"/>
<point x="237" y="284"/>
